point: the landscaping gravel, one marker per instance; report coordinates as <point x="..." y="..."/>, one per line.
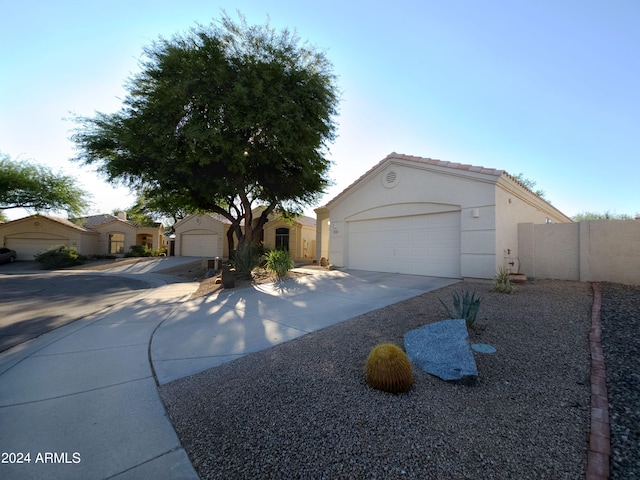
<point x="302" y="410"/>
<point x="621" y="344"/>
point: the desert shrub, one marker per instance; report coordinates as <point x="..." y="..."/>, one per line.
<point x="388" y="369"/>
<point x="501" y="282"/>
<point x="60" y="257"/>
<point x="244" y="259"/>
<point x="279" y="262"/>
<point x="465" y="306"/>
<point x="140" y="251"/>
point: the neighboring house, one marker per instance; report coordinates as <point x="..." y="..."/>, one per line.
<point x="99" y="235"/>
<point x="202" y="236"/>
<point x="421" y="216"/>
<point x="206" y="236"/>
<point x="31" y="235"/>
<point x="117" y="234"/>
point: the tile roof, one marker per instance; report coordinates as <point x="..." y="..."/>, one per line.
<point x="426" y="161"/>
<point x="97" y="220"/>
<point x="441" y="163"/>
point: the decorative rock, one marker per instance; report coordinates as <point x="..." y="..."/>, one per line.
<point x="483" y="348"/>
<point x="442" y="349"/>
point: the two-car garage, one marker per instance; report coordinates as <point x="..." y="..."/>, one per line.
<point x="28" y="247"/>
<point x="417" y="244"/>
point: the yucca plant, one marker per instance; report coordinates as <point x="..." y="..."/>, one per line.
<point x="502" y="284"/>
<point x="244" y="259"/>
<point x="465" y="306"/>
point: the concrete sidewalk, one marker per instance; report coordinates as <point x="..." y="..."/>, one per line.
<point x="212" y="330"/>
<point x="82" y="400"/>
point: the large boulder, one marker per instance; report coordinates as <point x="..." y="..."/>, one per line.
<point x="442" y="349"/>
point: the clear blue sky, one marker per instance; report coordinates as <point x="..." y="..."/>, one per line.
<point x="549" y="88"/>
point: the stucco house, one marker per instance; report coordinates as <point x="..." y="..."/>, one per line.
<point x="98" y="235"/>
<point x="429" y="217"/>
<point x="206" y="236"/>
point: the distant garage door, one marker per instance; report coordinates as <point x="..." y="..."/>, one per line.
<point x="199" y="245"/>
<point x="27" y="248"/>
<point x="417" y="245"/>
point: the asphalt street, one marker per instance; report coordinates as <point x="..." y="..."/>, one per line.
<point x="34" y="303"/>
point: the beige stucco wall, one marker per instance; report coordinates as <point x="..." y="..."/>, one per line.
<point x="515" y="205"/>
<point x="302" y="238"/>
<point x="421" y="189"/>
<point x="41" y="227"/>
<point x="590" y="251"/>
<point x="490" y="208"/>
<point x="112" y="228"/>
<point x="202" y="225"/>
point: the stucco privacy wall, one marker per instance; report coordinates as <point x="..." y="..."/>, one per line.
<point x="589" y="251"/>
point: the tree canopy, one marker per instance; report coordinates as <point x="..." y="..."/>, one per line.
<point x="223" y="119"/>
<point x="37" y="188"/>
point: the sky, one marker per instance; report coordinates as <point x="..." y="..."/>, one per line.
<point x="546" y="88"/>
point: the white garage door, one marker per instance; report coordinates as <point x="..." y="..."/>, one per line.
<point x="26" y="248"/>
<point x="194" y="245"/>
<point x="417" y="245"/>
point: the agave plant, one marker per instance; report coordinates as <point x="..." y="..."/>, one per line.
<point x="464" y="306"/>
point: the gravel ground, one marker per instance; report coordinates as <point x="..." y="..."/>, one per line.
<point x="302" y="410"/>
<point x="621" y="344"/>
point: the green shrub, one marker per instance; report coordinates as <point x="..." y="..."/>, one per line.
<point x="502" y="283"/>
<point x="465" y="306"/>
<point x="279" y="262"/>
<point x="60" y="257"/>
<point x="244" y="259"/>
<point x="144" y="251"/>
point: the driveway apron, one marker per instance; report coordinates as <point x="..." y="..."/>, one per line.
<point x="210" y="331"/>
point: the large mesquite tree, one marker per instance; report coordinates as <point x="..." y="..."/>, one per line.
<point x="36" y="187"/>
<point x="223" y="119"/>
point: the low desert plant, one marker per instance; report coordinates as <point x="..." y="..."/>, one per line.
<point x="502" y="284"/>
<point x="465" y="306"/>
<point x="388" y="369"/>
<point x="279" y="262"/>
<point x="60" y="257"/>
<point x="140" y="251"/>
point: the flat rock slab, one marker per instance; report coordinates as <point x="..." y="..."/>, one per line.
<point x="442" y="349"/>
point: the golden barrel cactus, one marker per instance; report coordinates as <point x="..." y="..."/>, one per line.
<point x="388" y="369"/>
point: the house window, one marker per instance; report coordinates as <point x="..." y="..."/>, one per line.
<point x="116" y="243"/>
<point x="282" y="239"/>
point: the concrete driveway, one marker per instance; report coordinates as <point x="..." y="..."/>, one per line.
<point x="209" y="331"/>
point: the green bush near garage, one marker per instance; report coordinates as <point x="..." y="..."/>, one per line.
<point x="60" y="257"/>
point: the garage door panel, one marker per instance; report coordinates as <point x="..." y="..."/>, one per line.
<point x="418" y="245"/>
<point x="28" y="248"/>
<point x="199" y="245"/>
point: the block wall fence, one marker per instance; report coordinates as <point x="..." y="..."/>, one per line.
<point x="589" y="251"/>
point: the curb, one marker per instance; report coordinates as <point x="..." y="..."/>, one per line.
<point x="599" y="433"/>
